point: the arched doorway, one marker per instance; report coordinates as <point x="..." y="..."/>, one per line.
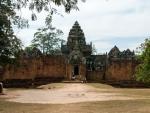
<point x="76" y="70"/>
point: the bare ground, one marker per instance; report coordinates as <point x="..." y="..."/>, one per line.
<point x="76" y="98"/>
<point x="70" y="93"/>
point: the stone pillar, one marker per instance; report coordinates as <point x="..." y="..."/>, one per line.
<point x="1" y="87"/>
<point x="82" y="72"/>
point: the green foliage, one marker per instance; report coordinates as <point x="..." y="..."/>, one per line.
<point x="30" y="52"/>
<point x="29" y="49"/>
<point x="143" y="70"/>
<point x="94" y="51"/>
<point x="10" y="45"/>
<point x="47" y="39"/>
<point x="45" y="5"/>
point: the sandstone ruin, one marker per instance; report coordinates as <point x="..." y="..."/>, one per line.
<point x="75" y="62"/>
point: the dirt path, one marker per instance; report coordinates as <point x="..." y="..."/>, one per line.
<point x="70" y="93"/>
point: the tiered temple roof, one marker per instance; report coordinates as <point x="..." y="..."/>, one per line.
<point x="116" y="53"/>
<point x="76" y="33"/>
<point x="76" y="36"/>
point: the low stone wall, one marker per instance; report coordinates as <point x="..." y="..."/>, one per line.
<point x="120" y="70"/>
<point x="95" y="75"/>
<point x="26" y="83"/>
<point x="18" y="83"/>
<point x="47" y="69"/>
<point x="46" y="80"/>
<point x="42" y="69"/>
<point x="48" y="66"/>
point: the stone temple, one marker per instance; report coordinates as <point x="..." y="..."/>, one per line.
<point x="75" y="63"/>
<point x="77" y="51"/>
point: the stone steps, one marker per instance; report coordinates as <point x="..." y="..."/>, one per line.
<point x="72" y="81"/>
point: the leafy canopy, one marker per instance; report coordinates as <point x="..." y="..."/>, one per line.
<point x="143" y="70"/>
<point x="47" y="39"/>
<point x="45" y="5"/>
<point x="10" y="45"/>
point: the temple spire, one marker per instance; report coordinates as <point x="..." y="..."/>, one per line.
<point x="76" y="41"/>
<point x="76" y="34"/>
<point x="76" y="23"/>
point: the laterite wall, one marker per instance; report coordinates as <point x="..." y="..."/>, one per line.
<point x="120" y="70"/>
<point x="95" y="75"/>
<point x="42" y="67"/>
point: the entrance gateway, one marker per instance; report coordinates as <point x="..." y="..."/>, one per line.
<point x="77" y="52"/>
<point x="76" y="70"/>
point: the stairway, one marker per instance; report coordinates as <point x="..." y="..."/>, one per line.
<point x="72" y="81"/>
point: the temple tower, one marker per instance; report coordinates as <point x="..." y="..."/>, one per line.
<point x="76" y="51"/>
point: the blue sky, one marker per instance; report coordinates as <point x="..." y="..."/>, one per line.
<point x="125" y="23"/>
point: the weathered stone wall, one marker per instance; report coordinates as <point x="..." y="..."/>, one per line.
<point x="69" y="70"/>
<point x="95" y="75"/>
<point x="82" y="71"/>
<point x="50" y="68"/>
<point x="120" y="70"/>
<point x="42" y="67"/>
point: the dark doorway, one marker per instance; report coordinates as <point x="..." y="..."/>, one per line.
<point x="76" y="70"/>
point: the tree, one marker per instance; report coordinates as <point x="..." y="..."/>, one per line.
<point x="47" y="39"/>
<point x="94" y="51"/>
<point x="42" y="5"/>
<point x="10" y="45"/>
<point x="31" y="52"/>
<point x="143" y="70"/>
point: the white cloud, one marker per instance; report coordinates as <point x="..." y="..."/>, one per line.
<point x="102" y="20"/>
<point x="102" y="46"/>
